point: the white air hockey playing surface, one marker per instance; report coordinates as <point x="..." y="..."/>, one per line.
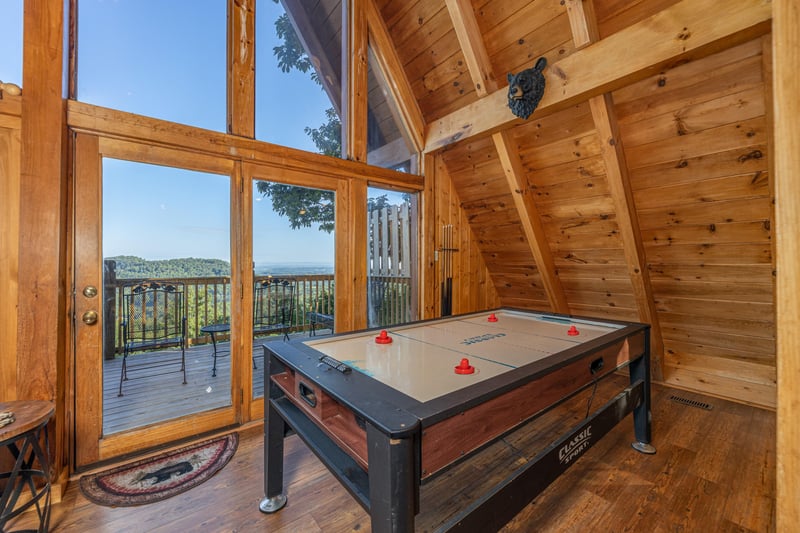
<point x="421" y="360"/>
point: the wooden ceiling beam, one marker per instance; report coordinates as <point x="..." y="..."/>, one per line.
<point x="531" y="220"/>
<point x="687" y="30"/>
<point x="472" y="46"/>
<point x="583" y="23"/>
<point x="605" y="123"/>
<point x="480" y="69"/>
<point x="396" y="82"/>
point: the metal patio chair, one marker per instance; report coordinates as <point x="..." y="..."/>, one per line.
<point x="153" y="319"/>
<point x="273" y="306"/>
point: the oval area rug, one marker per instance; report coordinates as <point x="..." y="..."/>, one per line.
<point x="159" y="477"/>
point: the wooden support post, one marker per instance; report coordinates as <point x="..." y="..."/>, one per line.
<point x="242" y="68"/>
<point x="354" y="74"/>
<point x="786" y="44"/>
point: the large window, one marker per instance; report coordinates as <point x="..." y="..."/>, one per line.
<point x="162" y="59"/>
<point x="297" y="100"/>
<point x="387" y="144"/>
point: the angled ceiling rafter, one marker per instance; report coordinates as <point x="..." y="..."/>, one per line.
<point x="583" y="23"/>
<point x="404" y="103"/>
<point x="689" y="29"/>
<point x="480" y="69"/>
<point x="304" y="27"/>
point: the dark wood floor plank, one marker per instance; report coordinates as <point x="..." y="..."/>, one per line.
<point x="714" y="471"/>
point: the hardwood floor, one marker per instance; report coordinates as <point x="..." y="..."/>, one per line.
<point x="714" y="471"/>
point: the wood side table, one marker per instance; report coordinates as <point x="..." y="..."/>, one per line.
<point x="27" y="441"/>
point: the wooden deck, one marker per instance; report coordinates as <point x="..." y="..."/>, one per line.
<point x="153" y="395"/>
<point x="714" y="470"/>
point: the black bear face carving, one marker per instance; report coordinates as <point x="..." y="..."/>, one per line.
<point x="525" y="89"/>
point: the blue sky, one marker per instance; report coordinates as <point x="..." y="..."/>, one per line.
<point x="11" y="42"/>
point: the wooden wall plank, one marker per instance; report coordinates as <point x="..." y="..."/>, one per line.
<point x="472" y="46"/>
<point x="474" y="287"/>
<point x="683" y="342"/>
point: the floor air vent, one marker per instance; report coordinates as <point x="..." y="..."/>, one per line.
<point x="691" y="403"/>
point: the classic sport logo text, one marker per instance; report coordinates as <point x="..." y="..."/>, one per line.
<point x="576" y="446"/>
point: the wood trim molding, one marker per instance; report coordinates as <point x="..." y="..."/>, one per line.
<point x="786" y="138"/>
<point x="82" y="117"/>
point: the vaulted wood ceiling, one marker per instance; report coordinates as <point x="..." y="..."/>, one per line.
<point x="640" y="187"/>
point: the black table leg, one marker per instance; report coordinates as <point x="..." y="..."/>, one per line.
<point x="274" y="433"/>
<point x="640" y="370"/>
<point x="393" y="493"/>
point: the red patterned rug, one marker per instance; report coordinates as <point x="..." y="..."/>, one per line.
<point x="154" y="479"/>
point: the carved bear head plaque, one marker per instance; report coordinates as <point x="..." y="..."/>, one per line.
<point x="526" y="88"/>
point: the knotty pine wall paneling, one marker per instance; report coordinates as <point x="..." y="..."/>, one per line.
<point x="696" y="139"/>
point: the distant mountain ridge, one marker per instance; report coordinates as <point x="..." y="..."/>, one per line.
<point x="132" y="267"/>
<point x="129" y="266"/>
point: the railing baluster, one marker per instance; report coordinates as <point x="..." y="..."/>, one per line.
<point x="313" y="290"/>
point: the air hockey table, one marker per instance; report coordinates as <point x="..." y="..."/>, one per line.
<point x="388" y="410"/>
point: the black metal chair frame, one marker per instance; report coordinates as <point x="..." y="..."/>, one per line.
<point x="153" y="318"/>
<point x="273" y="306"/>
<point x="322" y="314"/>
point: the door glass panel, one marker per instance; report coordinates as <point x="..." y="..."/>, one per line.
<point x="391" y="256"/>
<point x="166" y="253"/>
<point x="293" y="258"/>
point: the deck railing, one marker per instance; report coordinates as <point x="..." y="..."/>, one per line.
<point x="208" y="301"/>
